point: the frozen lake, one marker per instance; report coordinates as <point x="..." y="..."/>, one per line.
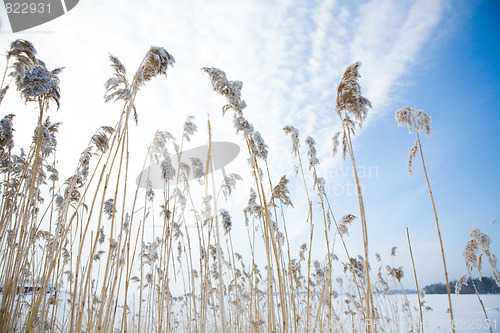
<point x="467" y="312"/>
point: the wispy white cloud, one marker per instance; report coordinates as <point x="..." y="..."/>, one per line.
<point x="390" y="37"/>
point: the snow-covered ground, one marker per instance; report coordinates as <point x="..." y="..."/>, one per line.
<point x="467" y="312"/>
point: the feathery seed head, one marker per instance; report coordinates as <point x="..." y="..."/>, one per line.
<point x="108" y="208"/>
<point x="259" y="145"/>
<point x="198" y="170"/>
<point x="496" y="277"/>
<point x="470" y="253"/>
<point x="411" y="156"/>
<point x="229" y="89"/>
<point x="229" y="183"/>
<point x="158" y="148"/>
<point x="22" y="47"/>
<point x="404" y="117"/>
<point x="303" y="249"/>
<point x="102" y="236"/>
<point x="101" y="138"/>
<point x="460" y="283"/>
<point x="483" y="240"/>
<point x="226" y="221"/>
<point x="3" y="91"/>
<point x="382" y="281"/>
<point x="117" y="87"/>
<point x="6" y="132"/>
<point x="349" y="98"/>
<point x="281" y="192"/>
<point x="347" y="219"/>
<point x="343" y="230"/>
<point x="190" y="128"/>
<point x="253" y="208"/>
<point x="336" y="143"/>
<point x="294" y="135"/>
<point x="167" y="169"/>
<point x="49" y="142"/>
<point x="480" y="242"/>
<point x="241" y="124"/>
<point x="25" y="55"/>
<point x="117" y="65"/>
<point x="396" y="272"/>
<point x="319" y="184"/>
<point x="414" y="119"/>
<point x="155" y="63"/>
<point x="150" y="193"/>
<point x="184" y="170"/>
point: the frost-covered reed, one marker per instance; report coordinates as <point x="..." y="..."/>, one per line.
<point x="78" y="254"/>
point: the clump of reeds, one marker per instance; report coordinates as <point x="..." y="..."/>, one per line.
<point x="99" y="259"/>
<point x="352" y="108"/>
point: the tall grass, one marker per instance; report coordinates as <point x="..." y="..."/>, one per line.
<point x="418" y="120"/>
<point x="99" y="255"/>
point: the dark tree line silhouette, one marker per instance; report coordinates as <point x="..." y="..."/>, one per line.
<point x="484" y="286"/>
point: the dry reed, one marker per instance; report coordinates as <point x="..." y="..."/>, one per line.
<point x="85" y="259"/>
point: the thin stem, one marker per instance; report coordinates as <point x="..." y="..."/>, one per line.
<point x="438" y="231"/>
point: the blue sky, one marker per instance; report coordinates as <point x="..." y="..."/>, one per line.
<point x="438" y="56"/>
<point x="456" y="81"/>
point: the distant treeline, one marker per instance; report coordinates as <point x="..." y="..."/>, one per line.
<point x="485" y="286"/>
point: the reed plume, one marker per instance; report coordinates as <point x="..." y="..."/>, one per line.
<point x="24" y="54"/>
